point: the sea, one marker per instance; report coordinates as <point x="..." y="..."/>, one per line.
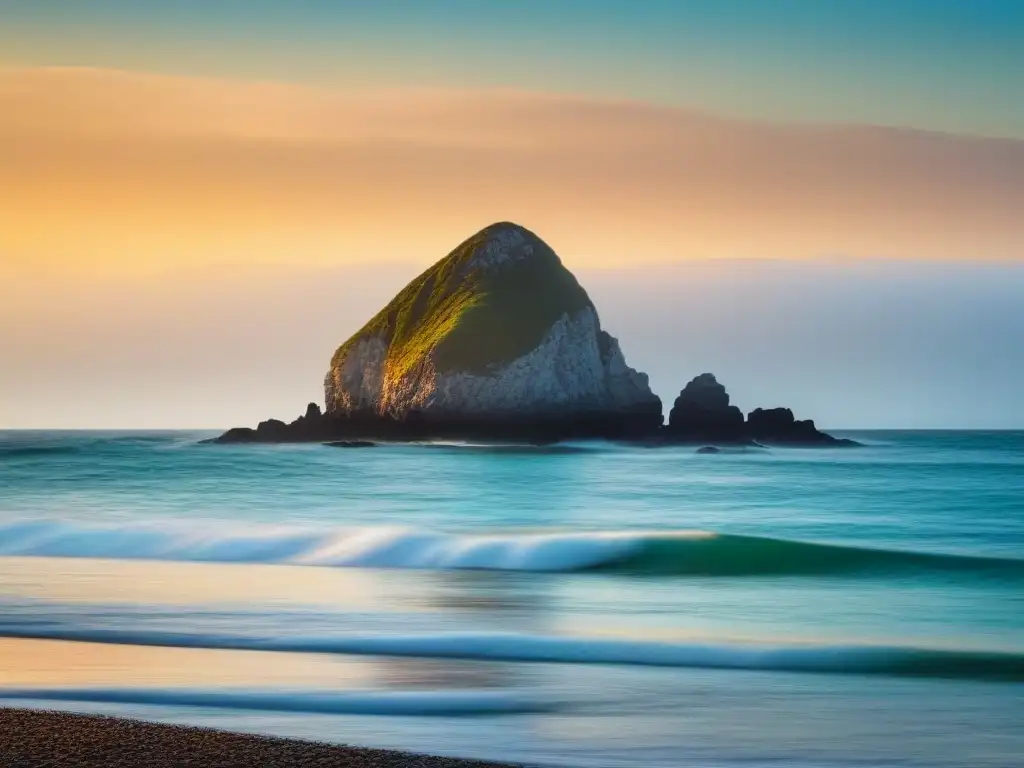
<point x="583" y="605"/>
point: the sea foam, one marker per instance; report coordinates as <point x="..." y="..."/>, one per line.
<point x="467" y="702"/>
<point x="695" y="553"/>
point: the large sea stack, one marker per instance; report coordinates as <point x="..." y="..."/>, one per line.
<point x="497" y="339"/>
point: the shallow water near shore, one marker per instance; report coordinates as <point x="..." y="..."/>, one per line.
<point x="594" y="605"/>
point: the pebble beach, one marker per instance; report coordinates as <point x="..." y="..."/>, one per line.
<point x="41" y="739"/>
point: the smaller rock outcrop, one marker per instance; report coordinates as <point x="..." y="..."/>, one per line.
<point x="702" y="411"/>
<point x="778" y="425"/>
<point x="703" y="414"/>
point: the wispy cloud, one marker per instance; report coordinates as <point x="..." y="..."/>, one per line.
<point x="110" y="171"/>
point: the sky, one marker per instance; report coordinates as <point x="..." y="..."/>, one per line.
<point x="186" y="187"/>
<point x="945" y="64"/>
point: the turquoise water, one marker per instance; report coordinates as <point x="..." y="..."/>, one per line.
<point x="579" y="605"/>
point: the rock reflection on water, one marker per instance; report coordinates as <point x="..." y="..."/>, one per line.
<point x="490" y="602"/>
<point x="446" y="674"/>
<point x="494" y="601"/>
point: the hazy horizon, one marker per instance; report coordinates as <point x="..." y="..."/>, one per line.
<point x="850" y="343"/>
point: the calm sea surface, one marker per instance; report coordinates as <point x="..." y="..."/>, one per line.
<point x="578" y="605"/>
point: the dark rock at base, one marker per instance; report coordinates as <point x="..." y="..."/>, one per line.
<point x="235" y="435"/>
<point x="768" y="420"/>
<point x="778" y="425"/>
<point x="709" y="449"/>
<point x="271" y="429"/>
<point x="701" y="416"/>
<point x="415" y="426"/>
<point x="351" y="444"/>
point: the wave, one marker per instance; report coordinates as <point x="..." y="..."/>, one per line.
<point x="448" y="703"/>
<point x="17" y="452"/>
<point x="78" y="444"/>
<point x="892" y="661"/>
<point x="679" y="553"/>
<point x="734" y="555"/>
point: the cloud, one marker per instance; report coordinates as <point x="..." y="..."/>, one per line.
<point x="105" y="172"/>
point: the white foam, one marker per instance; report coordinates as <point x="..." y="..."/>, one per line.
<point x="358" y="547"/>
<point x="529" y="552"/>
<point x="458" y="702"/>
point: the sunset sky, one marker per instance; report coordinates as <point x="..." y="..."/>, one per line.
<point x="187" y="187"/>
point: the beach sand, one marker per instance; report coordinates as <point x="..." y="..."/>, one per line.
<point x="29" y="663"/>
<point x="44" y="739"/>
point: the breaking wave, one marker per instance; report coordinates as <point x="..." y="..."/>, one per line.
<point x="680" y="553"/>
<point x="18" y="451"/>
<point x="447" y="703"/>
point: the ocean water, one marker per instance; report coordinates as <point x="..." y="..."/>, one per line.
<point x="576" y="605"/>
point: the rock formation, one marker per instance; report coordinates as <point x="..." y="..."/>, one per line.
<point x="499" y="341"/>
<point x="498" y="329"/>
<point x="497" y="338"/>
<point x="778" y="425"/>
<point x="702" y="414"/>
<point x="703" y="410"/>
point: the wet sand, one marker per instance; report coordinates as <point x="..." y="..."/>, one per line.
<point x="37" y="739"/>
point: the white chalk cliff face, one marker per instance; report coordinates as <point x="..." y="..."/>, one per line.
<point x="565" y="373"/>
<point x="572" y="368"/>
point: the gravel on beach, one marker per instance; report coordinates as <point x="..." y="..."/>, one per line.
<point x="46" y="739"/>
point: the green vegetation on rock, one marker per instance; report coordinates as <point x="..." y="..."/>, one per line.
<point x="473" y="317"/>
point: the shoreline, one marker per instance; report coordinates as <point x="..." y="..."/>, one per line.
<point x="30" y="738"/>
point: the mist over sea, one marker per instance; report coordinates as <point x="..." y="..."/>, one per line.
<point x="576" y="605"/>
<point x="848" y="342"/>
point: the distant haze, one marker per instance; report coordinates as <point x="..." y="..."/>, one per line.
<point x="848" y="343"/>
